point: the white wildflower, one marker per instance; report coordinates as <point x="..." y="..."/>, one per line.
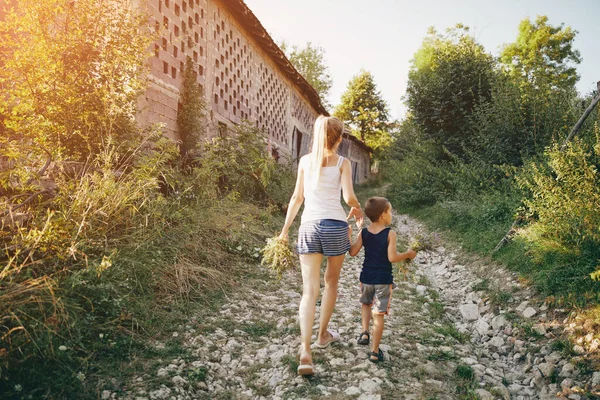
<point x="62" y="348"/>
<point x="81" y="376"/>
<point x="101" y="336"/>
<point x="18" y="388"/>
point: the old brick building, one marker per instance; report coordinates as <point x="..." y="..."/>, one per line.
<point x="244" y="74"/>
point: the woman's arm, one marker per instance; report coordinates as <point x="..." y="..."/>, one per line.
<point x="348" y="193"/>
<point x="355" y="247"/>
<point x="295" y="202"/>
<point x="393" y="254"/>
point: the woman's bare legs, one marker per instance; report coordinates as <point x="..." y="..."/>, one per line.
<point x="332" y="275"/>
<point x="311" y="283"/>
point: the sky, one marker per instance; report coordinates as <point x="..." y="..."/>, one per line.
<point x="382" y="36"/>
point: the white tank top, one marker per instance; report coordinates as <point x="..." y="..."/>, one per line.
<point x="323" y="202"/>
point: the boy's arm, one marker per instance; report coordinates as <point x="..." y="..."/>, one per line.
<point x="393" y="254"/>
<point x="355" y="247"/>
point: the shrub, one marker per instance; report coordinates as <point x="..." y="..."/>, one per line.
<point x="565" y="193"/>
<point x="241" y="165"/>
<point x="418" y="179"/>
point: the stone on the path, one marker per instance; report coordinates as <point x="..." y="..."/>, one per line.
<point x="470" y="312"/>
<point x="179" y="381"/>
<point x="162" y="372"/>
<point x="105" y="394"/>
<point x="277" y="356"/>
<point x="596" y="379"/>
<point x="515" y="388"/>
<point x="496" y="341"/>
<point x="275" y="379"/>
<point x="522" y="306"/>
<point x="502" y="391"/>
<point x="337" y="361"/>
<point x="547" y="369"/>
<point x="226" y="359"/>
<point x="362" y="366"/>
<point x="529" y="312"/>
<point x="567" y="370"/>
<point x="484" y="394"/>
<point x="566" y="383"/>
<point x="482" y="327"/>
<point x="369" y="396"/>
<point x="369" y="386"/>
<point x="539" y="329"/>
<point x="421" y="289"/>
<point x="162" y="393"/>
<point x="352" y="391"/>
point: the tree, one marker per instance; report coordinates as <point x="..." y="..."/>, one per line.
<point x="542" y="55"/>
<point x="309" y="61"/>
<point x="72" y="74"/>
<point x="365" y="111"/>
<point x="190" y="118"/>
<point x="449" y="76"/>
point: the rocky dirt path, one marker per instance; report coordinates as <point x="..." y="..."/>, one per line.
<point x="454" y="333"/>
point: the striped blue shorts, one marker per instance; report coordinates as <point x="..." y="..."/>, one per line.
<point x="325" y="236"/>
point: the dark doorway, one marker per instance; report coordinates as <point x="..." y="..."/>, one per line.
<point x="296" y="144"/>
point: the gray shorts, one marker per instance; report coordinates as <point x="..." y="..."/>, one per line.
<point x="379" y="296"/>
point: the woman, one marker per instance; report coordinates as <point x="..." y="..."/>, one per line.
<point x="322" y="174"/>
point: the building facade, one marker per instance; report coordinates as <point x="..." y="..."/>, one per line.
<point x="243" y="73"/>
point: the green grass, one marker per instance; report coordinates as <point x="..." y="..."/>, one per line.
<point x="449" y="330"/>
<point x="483" y="285"/>
<point x="500" y="297"/>
<point x="465" y="382"/>
<point x="258" y="328"/>
<point x="439" y="355"/>
<point x="436" y="309"/>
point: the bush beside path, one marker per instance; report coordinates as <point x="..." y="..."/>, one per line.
<point x="455" y="332"/>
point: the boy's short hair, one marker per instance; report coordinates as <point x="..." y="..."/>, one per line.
<point x="376" y="206"/>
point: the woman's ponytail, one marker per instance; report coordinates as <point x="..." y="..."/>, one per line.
<point x="326" y="134"/>
<point x="318" y="149"/>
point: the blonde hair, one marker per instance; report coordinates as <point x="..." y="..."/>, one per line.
<point x="326" y="134"/>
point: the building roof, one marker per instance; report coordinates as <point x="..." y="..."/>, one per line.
<point x="255" y="30"/>
<point x="356" y="140"/>
<point x="252" y="25"/>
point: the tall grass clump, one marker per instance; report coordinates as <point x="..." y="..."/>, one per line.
<point x="564" y="205"/>
<point x="110" y="231"/>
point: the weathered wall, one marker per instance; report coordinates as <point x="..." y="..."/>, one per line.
<point x="240" y="80"/>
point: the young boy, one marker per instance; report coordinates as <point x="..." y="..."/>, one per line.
<point x="376" y="276"/>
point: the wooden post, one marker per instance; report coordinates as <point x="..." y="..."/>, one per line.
<point x="586" y="113"/>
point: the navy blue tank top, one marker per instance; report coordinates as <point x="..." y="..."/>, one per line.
<point x="377" y="268"/>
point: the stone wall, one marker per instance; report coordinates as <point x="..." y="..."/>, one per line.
<point x="240" y="79"/>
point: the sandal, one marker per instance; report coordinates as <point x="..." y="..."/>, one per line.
<point x="376" y="357"/>
<point x="334" y="338"/>
<point x="307" y="369"/>
<point x="360" y="339"/>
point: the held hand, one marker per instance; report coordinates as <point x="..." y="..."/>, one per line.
<point x="283" y="236"/>
<point x="358" y="216"/>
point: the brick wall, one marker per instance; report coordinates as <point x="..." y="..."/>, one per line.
<point x="241" y="81"/>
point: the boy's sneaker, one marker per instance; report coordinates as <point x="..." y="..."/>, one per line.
<point x="364" y="338"/>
